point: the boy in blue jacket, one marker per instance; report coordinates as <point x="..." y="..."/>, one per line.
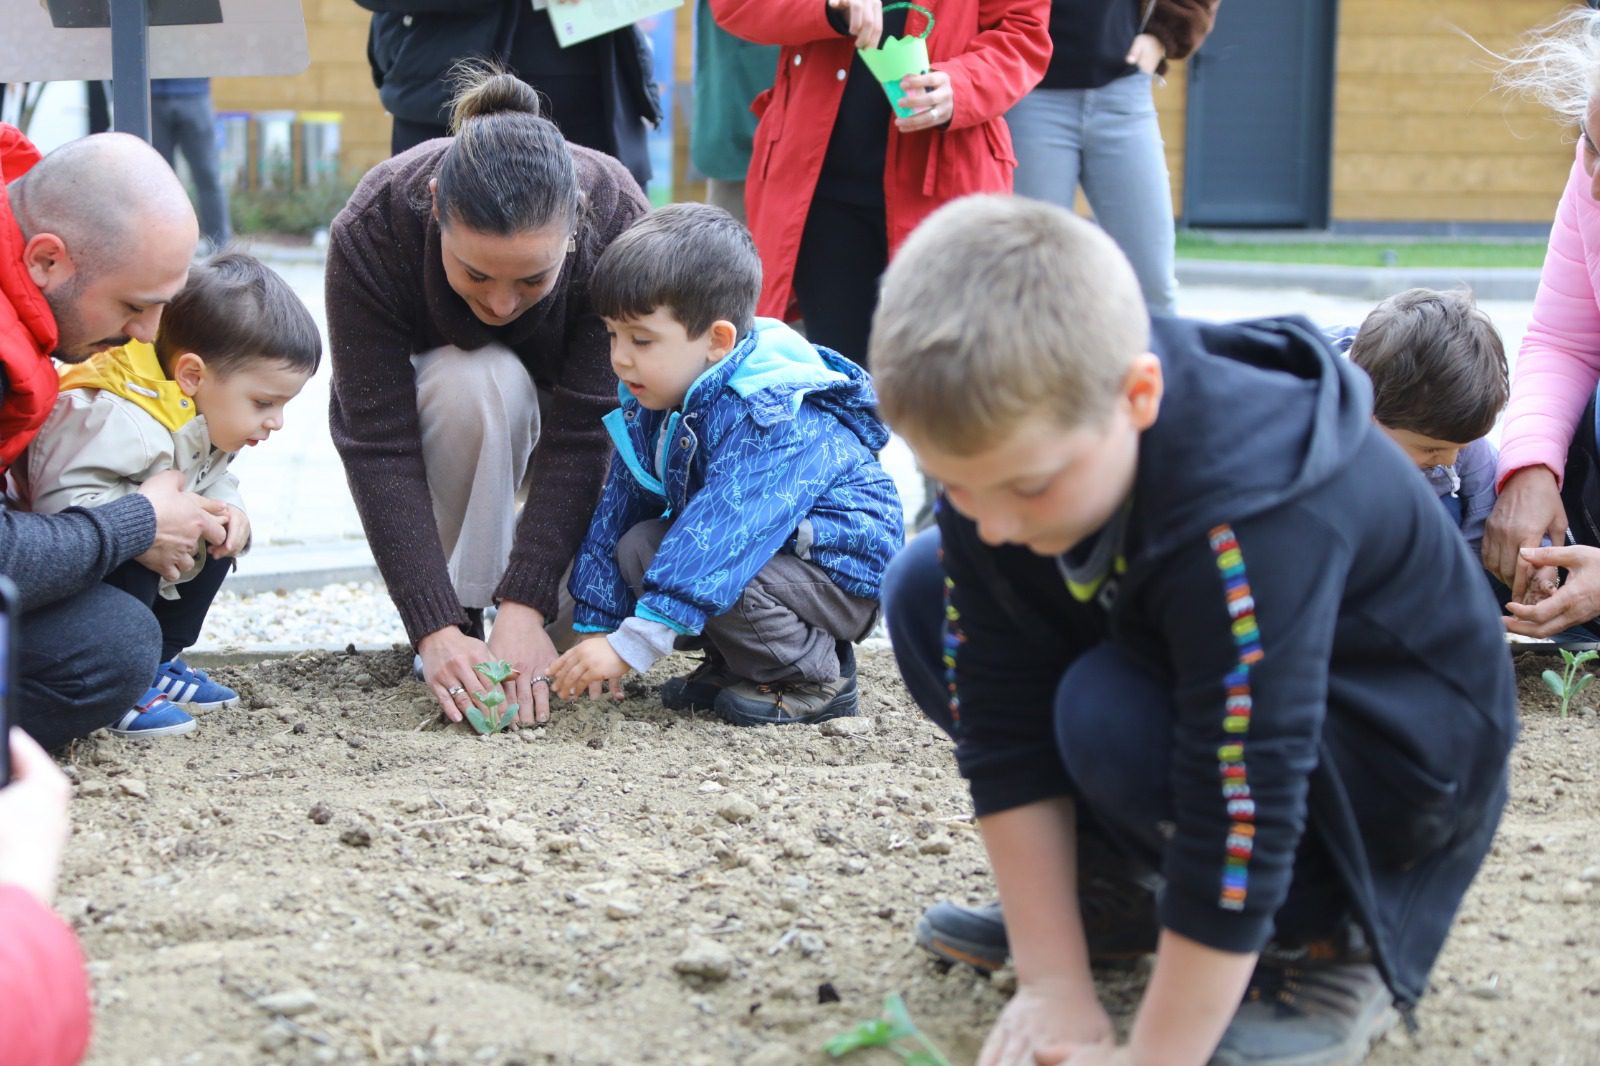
<point x="745" y="512"/>
<point x="1193" y="602"/>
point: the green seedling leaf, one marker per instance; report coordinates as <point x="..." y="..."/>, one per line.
<point x="491" y="700"/>
<point x="1587" y="657"/>
<point x="496" y="670"/>
<point x="875" y="1033"/>
<point x="1553" y="681"/>
<point x="1582" y="683"/>
<point x="478" y="721"/>
<point x="511" y="714"/>
<point x="925" y="1058"/>
<point x="898" y="1017"/>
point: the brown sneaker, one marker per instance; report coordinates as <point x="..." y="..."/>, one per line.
<point x="792" y="702"/>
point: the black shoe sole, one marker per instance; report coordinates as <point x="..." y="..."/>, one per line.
<point x="834" y="709"/>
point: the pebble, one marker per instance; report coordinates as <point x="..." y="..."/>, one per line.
<point x="295" y="1001"/>
<point x="1496" y="987"/>
<point x="846" y="727"/>
<point x="1590" y="875"/>
<point x="320" y="813"/>
<point x="92" y="788"/>
<point x="619" y="910"/>
<point x="132" y="786"/>
<point x="706" y="959"/>
<point x="1574" y="892"/>
<point x="736" y="809"/>
<point x="356" y="837"/>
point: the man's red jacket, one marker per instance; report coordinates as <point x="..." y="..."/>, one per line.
<point x="28" y="379"/>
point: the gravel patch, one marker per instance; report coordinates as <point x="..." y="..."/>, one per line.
<point x="348" y="613"/>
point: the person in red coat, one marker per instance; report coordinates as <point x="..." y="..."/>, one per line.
<point x="836" y="180"/>
<point x="44" y="991"/>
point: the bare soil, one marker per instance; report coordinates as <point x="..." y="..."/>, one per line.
<point x="325" y="876"/>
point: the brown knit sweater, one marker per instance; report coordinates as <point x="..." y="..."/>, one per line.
<point x="388" y="299"/>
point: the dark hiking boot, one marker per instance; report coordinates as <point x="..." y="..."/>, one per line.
<point x="792" y="702"/>
<point x="1322" y="1004"/>
<point x="1119" y="922"/>
<point x="697" y="690"/>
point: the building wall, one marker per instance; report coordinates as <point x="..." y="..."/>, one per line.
<point x="1420" y="133"/>
<point x="337" y="80"/>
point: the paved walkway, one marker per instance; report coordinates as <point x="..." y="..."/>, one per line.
<point x="307" y="530"/>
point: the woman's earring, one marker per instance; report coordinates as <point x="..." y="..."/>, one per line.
<point x="572" y="245"/>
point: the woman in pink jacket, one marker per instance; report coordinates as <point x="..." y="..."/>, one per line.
<point x="1549" y="474"/>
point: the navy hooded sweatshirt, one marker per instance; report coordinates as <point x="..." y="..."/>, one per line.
<point x="1335" y="657"/>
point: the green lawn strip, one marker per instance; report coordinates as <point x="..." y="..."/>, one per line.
<point x="1366" y="253"/>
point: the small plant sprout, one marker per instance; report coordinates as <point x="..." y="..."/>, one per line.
<point x="1573" y="679"/>
<point x="894" y="1031"/>
<point x="492" y="719"/>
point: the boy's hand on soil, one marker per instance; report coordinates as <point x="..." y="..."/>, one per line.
<point x="237" y="524"/>
<point x="932" y="97"/>
<point x="1106" y="1054"/>
<point x="1039" y="1021"/>
<point x="520" y="639"/>
<point x="866" y="20"/>
<point x="33" y="819"/>
<point x="586" y="665"/>
<point x="1574" y="603"/>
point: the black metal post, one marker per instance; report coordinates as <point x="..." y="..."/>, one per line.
<point x="130" y="66"/>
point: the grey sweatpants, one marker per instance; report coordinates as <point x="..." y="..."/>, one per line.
<point x="785" y="624"/>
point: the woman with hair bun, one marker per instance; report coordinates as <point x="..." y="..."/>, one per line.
<point x="468" y="364"/>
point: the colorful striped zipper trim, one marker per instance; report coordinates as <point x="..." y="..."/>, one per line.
<point x="1236" y="710"/>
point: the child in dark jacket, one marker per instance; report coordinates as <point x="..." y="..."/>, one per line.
<point x="745" y="511"/>
<point x="1194" y="603"/>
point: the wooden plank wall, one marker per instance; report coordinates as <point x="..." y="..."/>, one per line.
<point x="1420" y="132"/>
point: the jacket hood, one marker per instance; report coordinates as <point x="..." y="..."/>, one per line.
<point x="1297" y="413"/>
<point x="17" y="157"/>
<point x="134" y="373"/>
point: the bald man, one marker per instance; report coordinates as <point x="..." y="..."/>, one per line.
<point x="95" y="239"/>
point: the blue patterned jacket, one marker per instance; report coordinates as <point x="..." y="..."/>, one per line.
<point x="774" y="450"/>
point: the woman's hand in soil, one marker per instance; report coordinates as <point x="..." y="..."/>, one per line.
<point x="33" y="819"/>
<point x="1528" y="510"/>
<point x="520" y="639"/>
<point x="1041" y="1020"/>
<point x="237" y="524"/>
<point x="932" y="97"/>
<point x="866" y="20"/>
<point x="1574" y="603"/>
<point x="449" y="669"/>
<point x="587" y="665"/>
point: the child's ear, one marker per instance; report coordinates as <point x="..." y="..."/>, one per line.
<point x="1143" y="388"/>
<point x="724" y="337"/>
<point x="189" y="370"/>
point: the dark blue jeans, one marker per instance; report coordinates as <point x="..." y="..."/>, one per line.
<point x="84" y="661"/>
<point x="1117" y="764"/>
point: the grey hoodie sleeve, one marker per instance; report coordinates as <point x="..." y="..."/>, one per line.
<point x="51" y="557"/>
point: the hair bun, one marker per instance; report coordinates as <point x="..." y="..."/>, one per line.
<point x="484" y="88"/>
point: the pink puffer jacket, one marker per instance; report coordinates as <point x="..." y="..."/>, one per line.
<point x="1559" y="363"/>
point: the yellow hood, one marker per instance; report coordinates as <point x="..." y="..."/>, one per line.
<point x="134" y="373"/>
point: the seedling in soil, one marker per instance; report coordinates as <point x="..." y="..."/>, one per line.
<point x="1572" y="680"/>
<point x="895" y="1032"/>
<point x="491" y="719"/>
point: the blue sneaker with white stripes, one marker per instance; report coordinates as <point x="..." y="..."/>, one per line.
<point x="154" y="716"/>
<point x="192" y="689"/>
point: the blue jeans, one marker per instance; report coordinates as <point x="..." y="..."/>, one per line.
<point x="1108" y="141"/>
<point x="1117" y="764"/>
<point x="184" y="123"/>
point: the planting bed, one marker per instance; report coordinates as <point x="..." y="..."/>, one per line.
<point x="324" y="876"/>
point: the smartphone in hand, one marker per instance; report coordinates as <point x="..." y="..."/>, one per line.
<point x="8" y="672"/>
